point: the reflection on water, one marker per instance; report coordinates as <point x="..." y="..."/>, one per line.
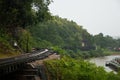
<point x="100" y="61"/>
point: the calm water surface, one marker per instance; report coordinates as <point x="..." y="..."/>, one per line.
<point x="100" y="61"/>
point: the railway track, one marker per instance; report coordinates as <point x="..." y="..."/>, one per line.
<point x="9" y="65"/>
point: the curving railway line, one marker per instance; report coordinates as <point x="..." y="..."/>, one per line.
<point x="9" y="65"/>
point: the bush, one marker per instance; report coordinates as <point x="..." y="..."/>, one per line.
<point x="71" y="69"/>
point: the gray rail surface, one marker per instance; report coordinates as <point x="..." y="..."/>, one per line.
<point x="12" y="64"/>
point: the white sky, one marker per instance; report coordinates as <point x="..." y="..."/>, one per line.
<point x="94" y="15"/>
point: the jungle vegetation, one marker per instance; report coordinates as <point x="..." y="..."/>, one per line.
<point x="61" y="34"/>
<point x="29" y="24"/>
<point x="15" y="16"/>
<point x="76" y="69"/>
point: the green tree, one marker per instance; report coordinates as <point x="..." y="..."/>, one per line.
<point x="21" y="13"/>
<point x="16" y="15"/>
<point x="99" y="40"/>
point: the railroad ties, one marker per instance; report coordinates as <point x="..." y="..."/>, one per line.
<point x="30" y="72"/>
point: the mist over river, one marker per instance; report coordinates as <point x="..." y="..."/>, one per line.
<point x="100" y="61"/>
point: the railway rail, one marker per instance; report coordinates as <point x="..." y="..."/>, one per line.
<point x="9" y="65"/>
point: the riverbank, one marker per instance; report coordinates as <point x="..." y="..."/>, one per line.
<point x="100" y="61"/>
<point x="112" y="52"/>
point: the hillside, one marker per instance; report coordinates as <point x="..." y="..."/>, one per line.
<point x="69" y="38"/>
<point x="60" y="32"/>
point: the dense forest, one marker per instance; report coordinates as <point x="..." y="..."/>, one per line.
<point x="74" y="40"/>
<point x="29" y="24"/>
<point x="15" y="16"/>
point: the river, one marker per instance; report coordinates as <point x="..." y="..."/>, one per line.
<point x="100" y="61"/>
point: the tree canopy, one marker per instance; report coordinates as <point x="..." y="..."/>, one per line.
<point x="20" y="13"/>
<point x="16" y="15"/>
<point x="71" y="37"/>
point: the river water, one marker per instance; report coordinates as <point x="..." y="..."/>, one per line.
<point x="100" y="61"/>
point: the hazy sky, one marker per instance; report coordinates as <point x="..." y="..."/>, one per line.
<point x="94" y="15"/>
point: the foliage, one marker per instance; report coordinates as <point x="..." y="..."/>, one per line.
<point x="71" y="69"/>
<point x="59" y="51"/>
<point x="17" y="13"/>
<point x="5" y="46"/>
<point x="72" y="38"/>
<point x="105" y="41"/>
<point x="62" y="33"/>
<point x="25" y="41"/>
